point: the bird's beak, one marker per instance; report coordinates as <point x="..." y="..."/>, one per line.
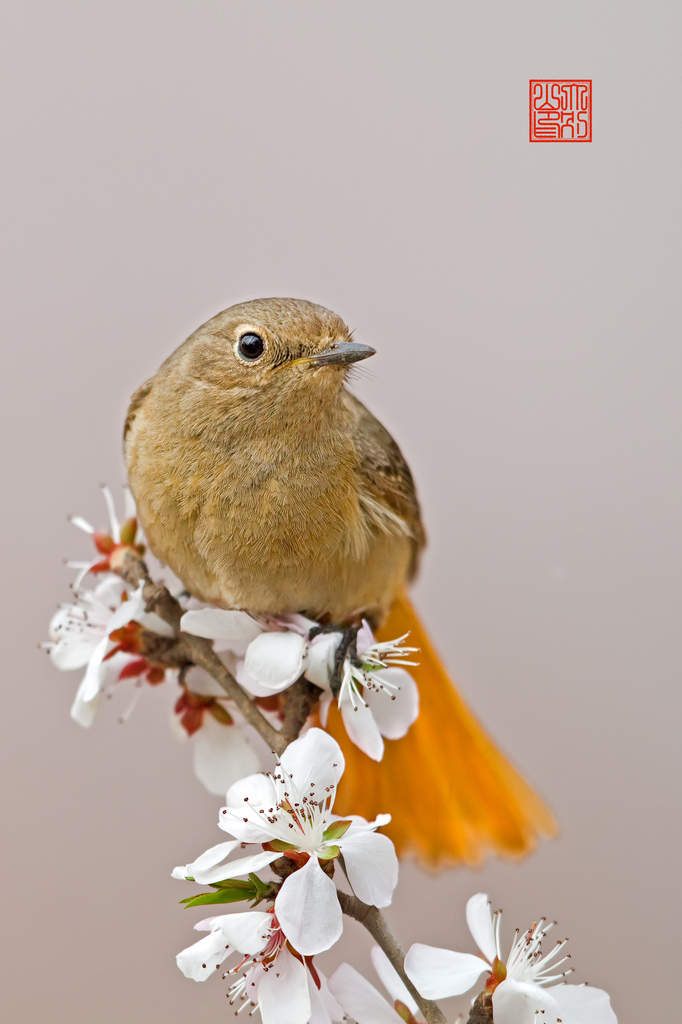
<point x="342" y="352"/>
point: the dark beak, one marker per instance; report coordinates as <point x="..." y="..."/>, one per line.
<point x="342" y="352"/>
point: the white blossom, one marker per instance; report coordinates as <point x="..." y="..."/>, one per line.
<point x="80" y="638"/>
<point x="377" y="699"/>
<point x="290" y="812"/>
<point x="527" y="984"/>
<point x="269" y="975"/>
<point x="363" y="1002"/>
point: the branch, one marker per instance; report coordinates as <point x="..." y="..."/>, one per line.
<point x="482" y="1010"/>
<point x="377" y="926"/>
<point x="299" y="701"/>
<point x="194" y="650"/>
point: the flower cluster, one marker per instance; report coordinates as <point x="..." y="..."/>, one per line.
<point x="376" y="696"/>
<point x="287" y="817"/>
<point x="106" y="631"/>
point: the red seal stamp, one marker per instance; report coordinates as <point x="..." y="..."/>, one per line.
<point x="561" y="110"/>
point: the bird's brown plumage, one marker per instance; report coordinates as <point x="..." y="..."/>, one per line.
<point x="265" y="485"/>
<point x="269" y="486"/>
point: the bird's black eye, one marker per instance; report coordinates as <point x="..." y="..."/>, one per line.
<point x="250" y="346"/>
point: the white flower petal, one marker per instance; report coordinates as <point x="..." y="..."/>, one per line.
<point x="273" y="662"/>
<point x="155" y="624"/>
<point x="321" y="658"/>
<point x="521" y="1002"/>
<point x="283" y="996"/>
<point x="359" y="999"/>
<point x="235" y="868"/>
<point x="73" y="651"/>
<point x="362" y="729"/>
<point x="85" y="703"/>
<point x="222" y="755"/>
<point x="257" y="790"/>
<point x="481" y="925"/>
<point x="128" y="611"/>
<point x="371" y="866"/>
<point x="83" y="711"/>
<point x="199" y="681"/>
<point x="247" y="932"/>
<point x="108" y="592"/>
<point x="324" y="1009"/>
<point x="208" y="859"/>
<point x="365" y="638"/>
<point x="582" y="1004"/>
<point x="219" y="624"/>
<point x="308" y="909"/>
<point x="241" y="817"/>
<point x="440" y="973"/>
<point x="394" y="715"/>
<point x="200" y="960"/>
<point x="314" y="761"/>
<point x="391" y="980"/>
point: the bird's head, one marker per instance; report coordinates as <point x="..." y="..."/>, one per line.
<point x="281" y="346"/>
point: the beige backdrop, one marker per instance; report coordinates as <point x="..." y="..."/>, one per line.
<point x="163" y="160"/>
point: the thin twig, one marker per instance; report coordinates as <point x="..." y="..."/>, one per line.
<point x="377" y="926"/>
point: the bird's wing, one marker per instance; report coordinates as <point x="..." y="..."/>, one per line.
<point x="386" y="479"/>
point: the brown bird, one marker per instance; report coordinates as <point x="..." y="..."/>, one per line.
<point x="265" y="485"/>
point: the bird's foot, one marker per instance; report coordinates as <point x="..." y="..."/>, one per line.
<point x="348" y="645"/>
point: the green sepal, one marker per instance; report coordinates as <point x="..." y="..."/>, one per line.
<point x="128" y="531"/>
<point x="336" y="830"/>
<point x="263" y="889"/>
<point x="220" y="714"/>
<point x="403" y="1012"/>
<point x="329" y="853"/>
<point x="280" y="846"/>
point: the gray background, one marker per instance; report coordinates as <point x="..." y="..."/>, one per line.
<point x="164" y="160"/>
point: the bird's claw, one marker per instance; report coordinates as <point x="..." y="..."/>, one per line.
<point x="347" y="646"/>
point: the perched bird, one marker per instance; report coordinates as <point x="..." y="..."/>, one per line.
<point x="266" y="485"/>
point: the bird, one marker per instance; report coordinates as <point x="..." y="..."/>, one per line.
<point x="264" y="484"/>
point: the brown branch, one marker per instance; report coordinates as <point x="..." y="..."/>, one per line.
<point x="194" y="650"/>
<point x="482" y="1010"/>
<point x="299" y="700"/>
<point x="377" y="926"/>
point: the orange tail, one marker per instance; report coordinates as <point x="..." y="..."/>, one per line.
<point x="452" y="794"/>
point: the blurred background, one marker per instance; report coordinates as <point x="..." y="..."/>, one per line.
<point x="163" y="160"/>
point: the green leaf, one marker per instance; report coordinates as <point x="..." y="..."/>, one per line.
<point x="336" y="830"/>
<point x="232" y="883"/>
<point x="329" y="853"/>
<point x="219" y="896"/>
